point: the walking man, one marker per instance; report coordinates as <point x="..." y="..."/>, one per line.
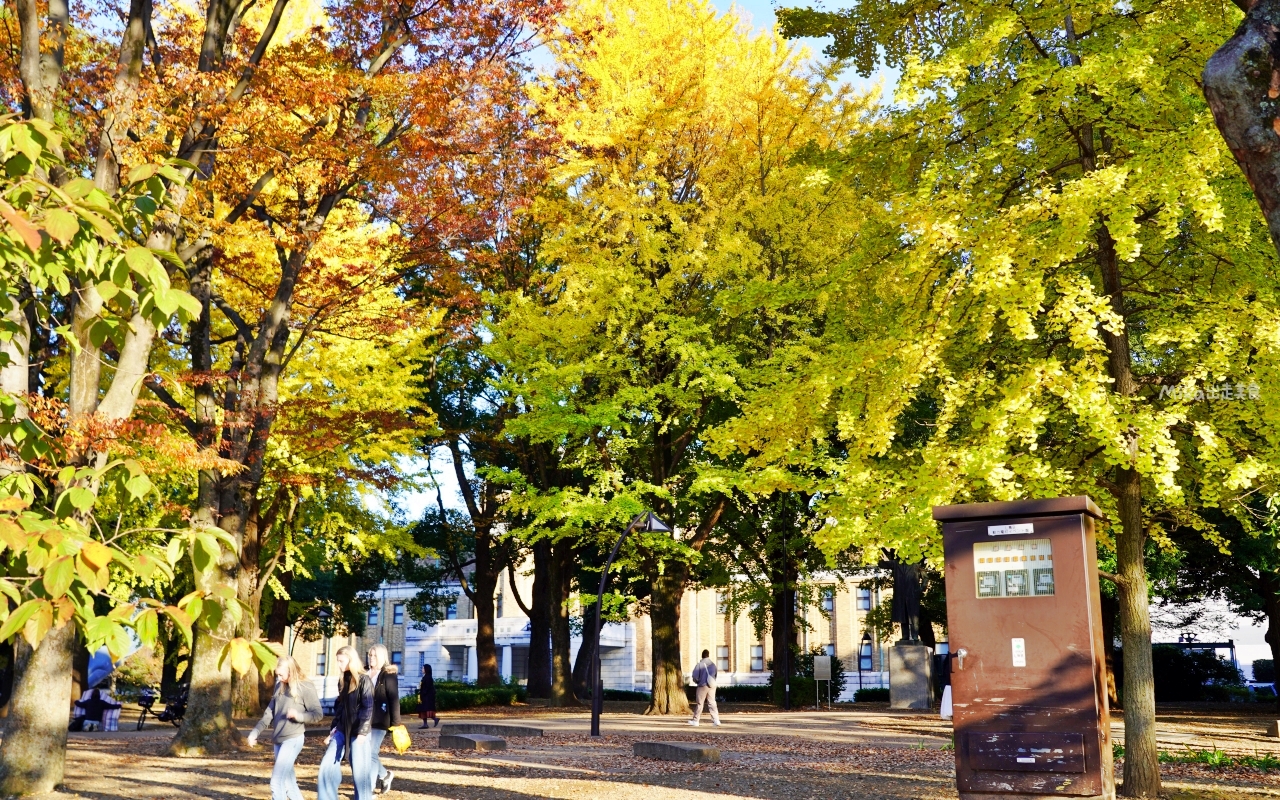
<point x="704" y="675"/>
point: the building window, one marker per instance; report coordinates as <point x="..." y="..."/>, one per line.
<point x="397" y="658"/>
<point x="722" y="603"/>
<point x="864" y="599"/>
<point x="452" y="611"/>
<point x="722" y="658"/>
<point x="830" y="649"/>
<point x="397" y="614"/>
<point x="320" y="665"/>
<point x="828" y="600"/>
<point x="373" y="616"/>
<point x="864" y="653"/>
<point x="422" y="661"/>
<point x="757" y="658"/>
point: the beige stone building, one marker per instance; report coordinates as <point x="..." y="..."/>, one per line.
<point x="836" y="623"/>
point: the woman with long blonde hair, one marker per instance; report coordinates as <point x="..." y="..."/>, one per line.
<point x="349" y="735"/>
<point x="293" y="706"/>
<point x="386" y="712"/>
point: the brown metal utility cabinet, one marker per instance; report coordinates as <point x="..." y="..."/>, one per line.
<point x="1028" y="676"/>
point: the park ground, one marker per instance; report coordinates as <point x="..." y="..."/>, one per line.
<point x="869" y="753"/>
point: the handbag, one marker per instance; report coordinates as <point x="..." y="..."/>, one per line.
<point x="400" y="738"/>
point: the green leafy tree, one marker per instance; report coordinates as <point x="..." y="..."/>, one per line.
<point x="1074" y="302"/>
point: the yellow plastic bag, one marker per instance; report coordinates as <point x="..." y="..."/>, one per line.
<point x="400" y="738"/>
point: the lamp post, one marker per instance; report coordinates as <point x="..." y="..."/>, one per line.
<point x="649" y="523"/>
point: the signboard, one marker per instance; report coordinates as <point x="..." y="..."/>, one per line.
<point x="822" y="668"/>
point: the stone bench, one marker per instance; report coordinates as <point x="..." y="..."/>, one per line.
<point x="689" y="752"/>
<point x="472" y="741"/>
<point x="489" y="729"/>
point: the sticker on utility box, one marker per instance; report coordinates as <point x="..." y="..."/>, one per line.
<point x="1019" y="652"/>
<point x="1010" y="530"/>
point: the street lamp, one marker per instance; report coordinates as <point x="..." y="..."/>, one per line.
<point x="649" y="523"/>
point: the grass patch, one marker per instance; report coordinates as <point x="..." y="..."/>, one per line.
<point x="1212" y="758"/>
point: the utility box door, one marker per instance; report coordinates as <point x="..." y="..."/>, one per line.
<point x="1030" y="703"/>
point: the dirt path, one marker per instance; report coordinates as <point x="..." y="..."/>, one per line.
<point x="874" y="755"/>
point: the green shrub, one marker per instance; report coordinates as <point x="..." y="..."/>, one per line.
<point x="625" y="694"/>
<point x="871" y="696"/>
<point x="1188" y="675"/>
<point x="802" y="683"/>
<point x="1264" y="670"/>
<point x="742" y="694"/>
<point x="451" y="696"/>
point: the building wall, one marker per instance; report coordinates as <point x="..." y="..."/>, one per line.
<point x="449" y="647"/>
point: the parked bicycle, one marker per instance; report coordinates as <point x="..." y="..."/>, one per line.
<point x="175" y="708"/>
<point x="146" y="699"/>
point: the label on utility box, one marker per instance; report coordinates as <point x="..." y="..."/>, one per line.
<point x="1010" y="530"/>
<point x="1019" y="652"/>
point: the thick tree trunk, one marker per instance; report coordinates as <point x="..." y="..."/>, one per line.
<point x="785" y="636"/>
<point x="582" y="664"/>
<point x="246" y="689"/>
<point x="246" y="699"/>
<point x="1240" y="82"/>
<point x="34" y="755"/>
<point x="668" y="673"/>
<point x="561" y="582"/>
<point x="484" y="586"/>
<point x="540" y="623"/>
<point x="208" y="726"/>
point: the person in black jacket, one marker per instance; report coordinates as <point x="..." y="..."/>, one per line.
<point x="349" y="735"/>
<point x="386" y="713"/>
<point x="427" y="698"/>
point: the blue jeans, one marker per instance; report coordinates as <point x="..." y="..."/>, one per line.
<point x="284" y="781"/>
<point x="376" y="770"/>
<point x="330" y="777"/>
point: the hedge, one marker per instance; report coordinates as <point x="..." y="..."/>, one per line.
<point x="733" y="694"/>
<point x="871" y="696"/>
<point x="451" y="696"/>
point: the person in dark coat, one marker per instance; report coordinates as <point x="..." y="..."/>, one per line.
<point x="386" y="713"/>
<point x="349" y="735"/>
<point x="427" y="698"/>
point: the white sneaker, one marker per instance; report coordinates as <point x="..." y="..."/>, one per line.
<point x="693" y="722"/>
<point x="717" y="724"/>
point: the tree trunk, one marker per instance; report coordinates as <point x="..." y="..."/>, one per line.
<point x="246" y="689"/>
<point x="561" y="582"/>
<point x="1238" y="83"/>
<point x="484" y="584"/>
<point x="34" y="755"/>
<point x="668" y="673"/>
<point x="279" y="619"/>
<point x="582" y="664"/>
<point x="1141" y="758"/>
<point x="1110" y="609"/>
<point x="785" y="645"/>
<point x="208" y="725"/>
<point x="246" y="699"/>
<point x="1271" y="605"/>
<point x="540" y="623"/>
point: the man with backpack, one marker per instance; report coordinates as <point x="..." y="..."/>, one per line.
<point x="704" y="675"/>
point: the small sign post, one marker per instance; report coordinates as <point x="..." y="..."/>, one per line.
<point x="821" y="672"/>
